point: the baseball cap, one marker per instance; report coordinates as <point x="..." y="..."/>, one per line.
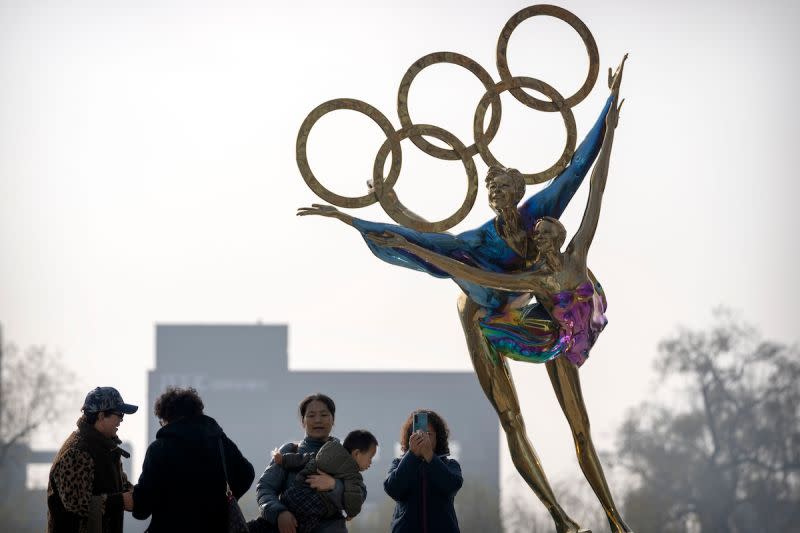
<point x="107" y="399"/>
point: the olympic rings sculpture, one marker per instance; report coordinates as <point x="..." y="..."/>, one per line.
<point x="458" y="150"/>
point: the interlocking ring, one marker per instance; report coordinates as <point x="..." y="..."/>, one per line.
<point x="516" y="84"/>
<point x="578" y="25"/>
<point x="455" y="59"/>
<point x="302" y="157"/>
<point x="383" y="185"/>
<point x="395" y="208"/>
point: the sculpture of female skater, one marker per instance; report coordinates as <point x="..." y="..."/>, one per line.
<point x="525" y="240"/>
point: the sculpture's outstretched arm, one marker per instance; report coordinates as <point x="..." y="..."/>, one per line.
<point x="443" y="243"/>
<point x="583" y="237"/>
<point x="553" y="199"/>
<point x="523" y="282"/>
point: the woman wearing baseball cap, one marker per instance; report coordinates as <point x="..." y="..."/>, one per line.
<point x="87" y="489"/>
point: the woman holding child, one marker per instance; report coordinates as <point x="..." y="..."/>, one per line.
<point x="424" y="481"/>
<point x="287" y="504"/>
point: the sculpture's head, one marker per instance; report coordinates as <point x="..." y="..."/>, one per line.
<point x="506" y="187"/>
<point x="549" y="235"/>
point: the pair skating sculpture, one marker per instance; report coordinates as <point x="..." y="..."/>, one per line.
<point x="508" y="260"/>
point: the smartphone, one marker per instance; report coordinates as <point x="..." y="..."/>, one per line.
<point x="420" y="422"/>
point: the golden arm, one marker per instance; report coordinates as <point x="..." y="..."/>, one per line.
<point x="524" y="282"/>
<point x="582" y="240"/>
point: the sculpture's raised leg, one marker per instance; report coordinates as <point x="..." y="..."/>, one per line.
<point x="567" y="385"/>
<point x="496" y="382"/>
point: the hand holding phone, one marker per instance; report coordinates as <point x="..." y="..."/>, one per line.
<point x="420" y="422"/>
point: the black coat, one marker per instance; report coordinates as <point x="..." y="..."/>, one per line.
<point x="425" y="493"/>
<point x="182" y="483"/>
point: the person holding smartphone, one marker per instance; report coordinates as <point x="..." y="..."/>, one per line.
<point x="424" y="480"/>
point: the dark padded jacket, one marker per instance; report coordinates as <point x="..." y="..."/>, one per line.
<point x="182" y="483"/>
<point x="277" y="479"/>
<point x="424" y="494"/>
<point x="335" y="460"/>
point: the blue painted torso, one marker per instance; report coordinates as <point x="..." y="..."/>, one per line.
<point x="483" y="247"/>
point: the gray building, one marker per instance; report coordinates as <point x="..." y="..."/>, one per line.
<point x="242" y="373"/>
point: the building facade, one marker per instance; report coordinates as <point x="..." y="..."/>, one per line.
<point x="242" y="374"/>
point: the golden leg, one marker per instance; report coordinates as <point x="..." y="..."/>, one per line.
<point x="496" y="382"/>
<point x="567" y="385"/>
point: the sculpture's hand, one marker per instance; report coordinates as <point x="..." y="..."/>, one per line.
<point x="325" y="211"/>
<point x="388" y="239"/>
<point x="318" y="209"/>
<point x="614" y="82"/>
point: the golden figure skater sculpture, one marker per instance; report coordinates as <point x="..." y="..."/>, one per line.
<point x="510" y="258"/>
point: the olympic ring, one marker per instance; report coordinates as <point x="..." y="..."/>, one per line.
<point x="302" y="157"/>
<point x="578" y="25"/>
<point x="556" y="99"/>
<point x="456" y="59"/>
<point x="396" y="210"/>
<point x="415" y="132"/>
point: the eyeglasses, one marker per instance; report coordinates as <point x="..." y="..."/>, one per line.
<point x="117" y="413"/>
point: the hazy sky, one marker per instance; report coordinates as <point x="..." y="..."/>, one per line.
<point x="147" y="175"/>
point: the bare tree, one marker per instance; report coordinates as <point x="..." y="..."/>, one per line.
<point x="33" y="386"/>
<point x="724" y="455"/>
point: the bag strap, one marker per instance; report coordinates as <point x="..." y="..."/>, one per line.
<point x="228" y="491"/>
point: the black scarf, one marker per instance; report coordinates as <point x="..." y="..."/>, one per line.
<point x="105" y="453"/>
